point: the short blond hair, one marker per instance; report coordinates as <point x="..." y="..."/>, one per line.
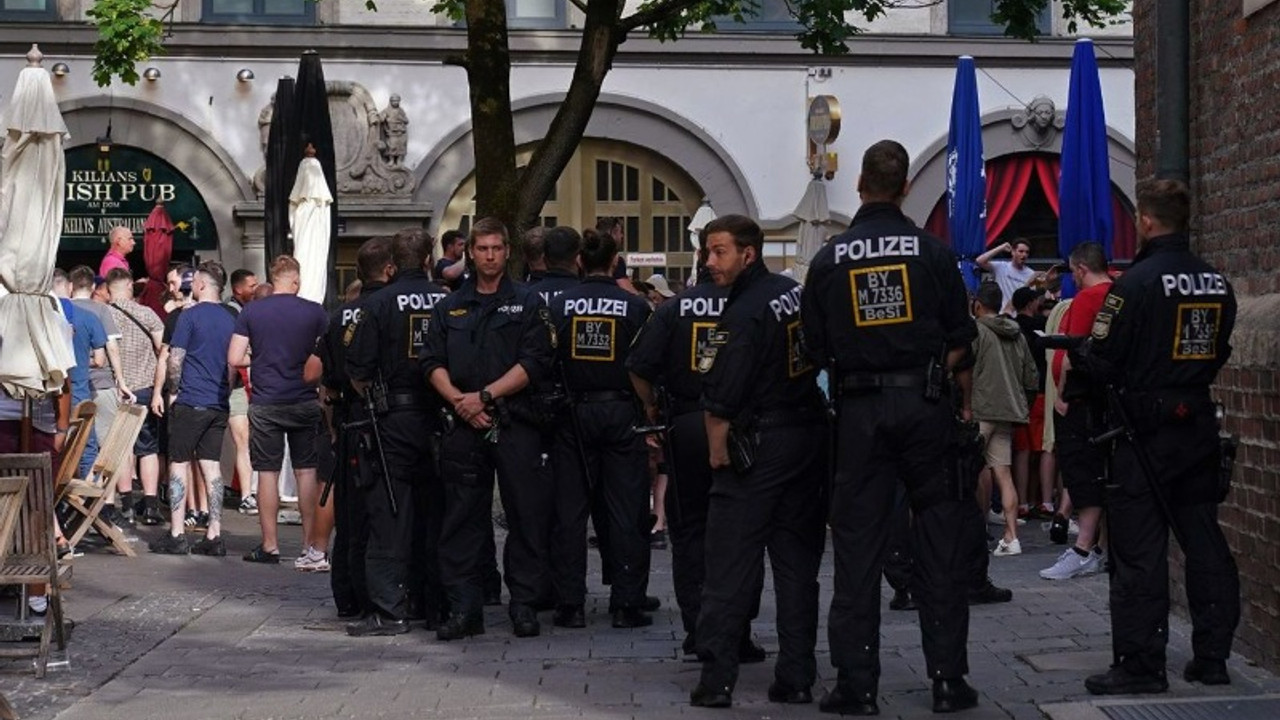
<point x="284" y="265"/>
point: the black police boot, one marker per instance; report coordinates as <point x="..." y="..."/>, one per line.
<point x="1206" y="671"/>
<point x="902" y="600"/>
<point x="953" y="695"/>
<point x="705" y="696"/>
<point x="569" y="616"/>
<point x="459" y="626"/>
<point x="749" y="651"/>
<point x="632" y="618"/>
<point x="690" y="645"/>
<point x="376" y="625"/>
<point x="649" y="604"/>
<point x="1120" y="681"/>
<point x="493" y="594"/>
<point x="841" y="700"/>
<point x="1058" y="530"/>
<point x="989" y="593"/>
<point x="524" y="622"/>
<point x="780" y="693"/>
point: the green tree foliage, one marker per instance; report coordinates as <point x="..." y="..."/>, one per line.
<point x="130" y="31"/>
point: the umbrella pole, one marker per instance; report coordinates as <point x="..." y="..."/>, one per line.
<point x="24" y="432"/>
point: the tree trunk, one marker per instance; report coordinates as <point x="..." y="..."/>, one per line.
<point x="600" y="39"/>
<point x="488" y="64"/>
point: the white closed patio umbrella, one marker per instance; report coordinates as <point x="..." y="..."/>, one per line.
<point x="34" y="352"/>
<point x="813" y="214"/>
<point x="310" y="205"/>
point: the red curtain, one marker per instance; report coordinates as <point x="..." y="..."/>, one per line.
<point x="1009" y="178"/>
<point x="1007" y="182"/>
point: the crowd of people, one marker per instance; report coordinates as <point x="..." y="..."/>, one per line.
<point x="744" y="415"/>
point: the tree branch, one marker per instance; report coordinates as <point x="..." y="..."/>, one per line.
<point x="652" y="14"/>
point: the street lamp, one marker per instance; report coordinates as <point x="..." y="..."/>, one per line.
<point x="700" y="219"/>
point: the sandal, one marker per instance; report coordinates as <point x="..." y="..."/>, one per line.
<point x="259" y="555"/>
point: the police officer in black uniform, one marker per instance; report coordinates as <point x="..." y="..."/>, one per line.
<point x="493" y="339"/>
<point x="382" y="358"/>
<point x="766" y="435"/>
<point x="597" y="448"/>
<point x="347" y="580"/>
<point x="881" y="302"/>
<point x="664" y="370"/>
<point x="1163" y="333"/>
<point x="560" y="248"/>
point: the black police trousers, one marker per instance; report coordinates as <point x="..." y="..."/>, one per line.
<point x="687" y="501"/>
<point x="617" y="467"/>
<point x="1185" y="459"/>
<point x="778" y="504"/>
<point x="467" y="465"/>
<point x="897" y="566"/>
<point x="351" y="530"/>
<point x="886" y="437"/>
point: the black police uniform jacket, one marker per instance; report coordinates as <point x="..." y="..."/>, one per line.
<point x="596" y="322"/>
<point x="478" y="337"/>
<point x="666" y="350"/>
<point x="755" y="361"/>
<point x="551" y="283"/>
<point x="884" y="296"/>
<point x="1166" y="323"/>
<point x="391" y="333"/>
<point x="331" y="348"/>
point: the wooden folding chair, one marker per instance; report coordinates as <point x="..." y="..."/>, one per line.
<point x="88" y="495"/>
<point x="33" y="558"/>
<point x="79" y="430"/>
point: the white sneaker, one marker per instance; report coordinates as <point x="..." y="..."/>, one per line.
<point x="1073" y="528"/>
<point x="1007" y="547"/>
<point x="997" y="518"/>
<point x="1097" y="562"/>
<point x="312" y="561"/>
<point x="288" y="516"/>
<point x="249" y="505"/>
<point x="1070" y="565"/>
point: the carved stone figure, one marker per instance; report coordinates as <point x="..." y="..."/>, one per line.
<point x="395" y="132"/>
<point x="264" y="124"/>
<point x="1040" y="123"/>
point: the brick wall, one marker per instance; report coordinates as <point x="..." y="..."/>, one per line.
<point x="1235" y="183"/>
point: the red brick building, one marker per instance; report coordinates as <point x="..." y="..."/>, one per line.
<point x="1235" y="185"/>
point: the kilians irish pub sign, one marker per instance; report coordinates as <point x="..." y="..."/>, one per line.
<point x="120" y="187"/>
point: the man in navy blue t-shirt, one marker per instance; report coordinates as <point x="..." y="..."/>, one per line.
<point x="282" y="330"/>
<point x="198" y="418"/>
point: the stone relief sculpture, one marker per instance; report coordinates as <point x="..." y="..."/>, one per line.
<point x="264" y="132"/>
<point x="1039" y="124"/>
<point x="395" y="132"/>
<point x="368" y="150"/>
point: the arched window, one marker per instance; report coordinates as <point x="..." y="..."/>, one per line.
<point x="652" y="195"/>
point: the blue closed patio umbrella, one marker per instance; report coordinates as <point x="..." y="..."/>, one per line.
<point x="1084" y="190"/>
<point x="966" y="173"/>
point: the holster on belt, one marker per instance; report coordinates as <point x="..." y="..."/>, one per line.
<point x="742" y="444"/>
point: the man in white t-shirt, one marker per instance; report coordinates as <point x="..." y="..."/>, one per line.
<point x="1009" y="274"/>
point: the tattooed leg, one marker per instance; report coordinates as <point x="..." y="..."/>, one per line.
<point x="178" y="473"/>
<point x="213" y="481"/>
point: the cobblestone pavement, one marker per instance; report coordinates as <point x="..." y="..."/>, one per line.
<point x="194" y="637"/>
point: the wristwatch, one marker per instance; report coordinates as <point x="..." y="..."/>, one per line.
<point x="485" y="396"/>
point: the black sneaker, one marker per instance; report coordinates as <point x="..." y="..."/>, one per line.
<point x="989" y="593"/>
<point x="170" y="545"/>
<point x="1058" y="530"/>
<point x="1206" y="671"/>
<point x="151" y="514"/>
<point x="212" y="547"/>
<point x="202" y="520"/>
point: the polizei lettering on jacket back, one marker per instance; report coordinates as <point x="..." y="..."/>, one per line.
<point x="417" y="301"/>
<point x="788" y="303"/>
<point x="701" y="306"/>
<point x="596" y="306"/>
<point x="1205" y="283"/>
<point x="878" y="247"/>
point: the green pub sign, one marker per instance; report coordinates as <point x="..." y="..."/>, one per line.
<point x="121" y="187"/>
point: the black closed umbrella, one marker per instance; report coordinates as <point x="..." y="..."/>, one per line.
<point x="284" y="152"/>
<point x="311" y="103"/>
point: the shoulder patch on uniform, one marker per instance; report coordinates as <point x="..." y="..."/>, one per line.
<point x="1113" y="302"/>
<point x="1101" y="326"/>
<point x="544" y="314"/>
<point x="349" y="334"/>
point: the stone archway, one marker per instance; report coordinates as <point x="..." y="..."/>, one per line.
<point x="182" y="144"/>
<point x="928" y="173"/>
<point x="615" y="118"/>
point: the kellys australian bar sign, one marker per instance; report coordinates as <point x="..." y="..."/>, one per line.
<point x="120" y="187"/>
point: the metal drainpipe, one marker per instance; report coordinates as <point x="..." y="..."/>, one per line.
<point x="1173" y="89"/>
